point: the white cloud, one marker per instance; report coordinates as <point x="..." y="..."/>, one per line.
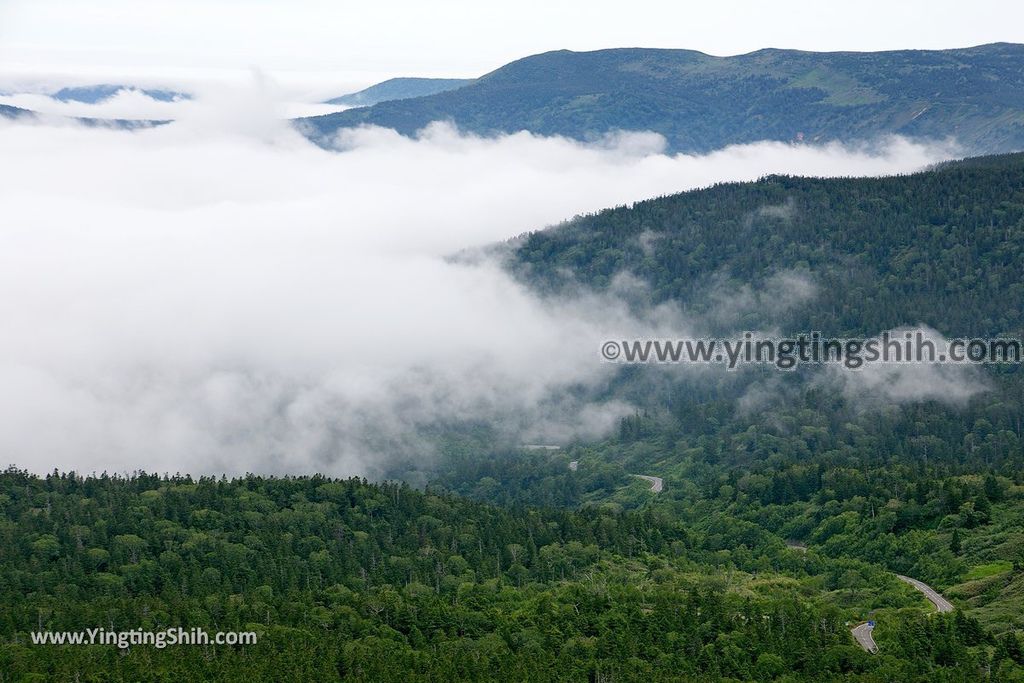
<point x="880" y="384"/>
<point x="221" y="295"/>
<point x="133" y="104"/>
<point x="126" y="104"/>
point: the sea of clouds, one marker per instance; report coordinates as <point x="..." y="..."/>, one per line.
<point x="221" y="295"/>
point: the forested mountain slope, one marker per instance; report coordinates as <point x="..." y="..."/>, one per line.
<point x="700" y="102"/>
<point x="341" y="579"/>
<point x="943" y="247"/>
<point x="921" y="473"/>
<point x="399" y="89"/>
<point x="585" y="574"/>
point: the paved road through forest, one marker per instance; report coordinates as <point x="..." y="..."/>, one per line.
<point x="862" y="632"/>
<point x="657" y="484"/>
<point x="941" y="604"/>
<point x="864" y="638"/>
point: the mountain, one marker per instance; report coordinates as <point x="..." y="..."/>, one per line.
<point x="121" y="124"/>
<point x="916" y="469"/>
<point x="9" y="112"/>
<point x="788" y="510"/>
<point x="17" y="113"/>
<point x="343" y="580"/>
<point x="399" y="89"/>
<point x="93" y="94"/>
<point x="700" y="102"/>
<point x="941" y="247"/>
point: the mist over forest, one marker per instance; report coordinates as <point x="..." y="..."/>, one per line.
<point x="318" y="348"/>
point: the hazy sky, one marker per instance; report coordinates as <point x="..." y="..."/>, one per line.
<point x="318" y="41"/>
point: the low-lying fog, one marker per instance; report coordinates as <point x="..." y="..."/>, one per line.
<point x="220" y="295"/>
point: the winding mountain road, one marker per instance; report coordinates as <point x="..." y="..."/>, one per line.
<point x="657" y="483"/>
<point x="941" y="603"/>
<point x="862" y="632"/>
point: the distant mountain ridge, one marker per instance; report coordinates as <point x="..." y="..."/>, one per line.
<point x="93" y="94"/>
<point x="701" y="102"/>
<point x="399" y="89"/>
<point x="19" y="114"/>
<point x="9" y="112"/>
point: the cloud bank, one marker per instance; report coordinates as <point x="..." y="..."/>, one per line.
<point x="132" y="103"/>
<point x="220" y="295"/>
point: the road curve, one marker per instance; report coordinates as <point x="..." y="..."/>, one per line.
<point x="863" y="636"/>
<point x="941" y="604"/>
<point x="862" y="633"/>
<point x="657" y="483"/>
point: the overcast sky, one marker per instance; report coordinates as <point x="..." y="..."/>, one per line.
<point x="334" y="42"/>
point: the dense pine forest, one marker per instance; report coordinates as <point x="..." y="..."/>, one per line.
<point x="791" y="500"/>
<point x="943" y="247"/>
<point x="381" y="582"/>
